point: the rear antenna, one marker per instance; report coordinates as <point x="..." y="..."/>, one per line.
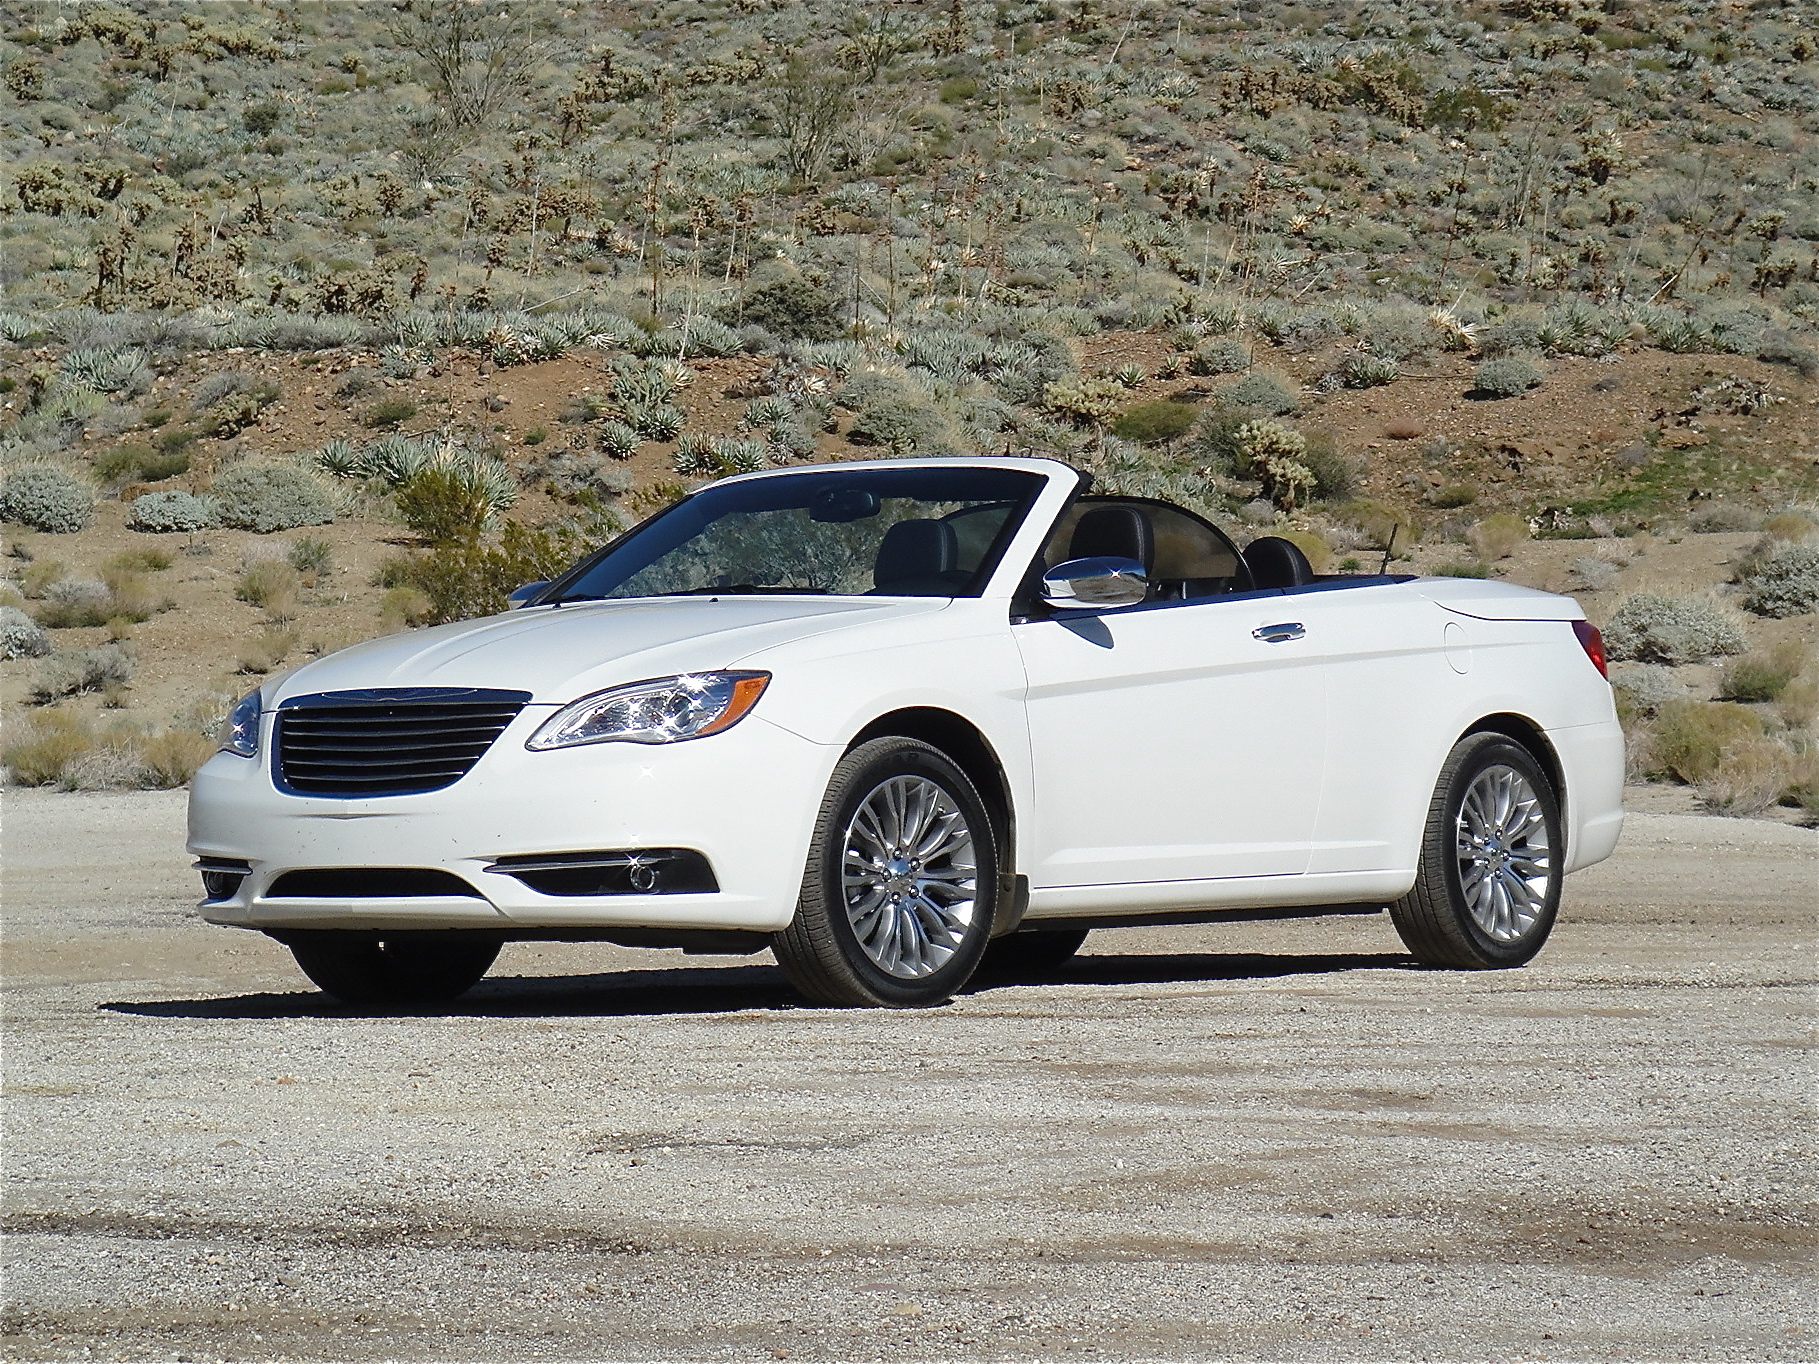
<point x="1389" y="548"/>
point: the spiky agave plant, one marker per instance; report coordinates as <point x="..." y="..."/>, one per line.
<point x="696" y="456"/>
<point x="617" y="440"/>
<point x="340" y="458"/>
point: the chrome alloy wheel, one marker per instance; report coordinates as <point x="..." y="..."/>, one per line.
<point x="1505" y="862"/>
<point x="908" y="876"/>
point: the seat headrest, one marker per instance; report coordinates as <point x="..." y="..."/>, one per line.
<point x="1275" y="562"/>
<point x="915" y="549"/>
<point x="1115" y="533"/>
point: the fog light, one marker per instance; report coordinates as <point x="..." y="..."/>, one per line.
<point x="221" y="876"/>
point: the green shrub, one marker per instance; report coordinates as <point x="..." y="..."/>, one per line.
<point x="270" y="497"/>
<point x="455" y="499"/>
<point x="1506" y="376"/>
<point x="1463" y="568"/>
<point x="390" y="412"/>
<point x="465" y="578"/>
<point x="1691" y="737"/>
<point x="1647" y="628"/>
<point x="902" y="425"/>
<point x="1763" y="674"/>
<point x="1220" y="355"/>
<point x="1157" y="423"/>
<point x="140" y="464"/>
<point x="1261" y="392"/>
<point x="1335" y="473"/>
<point x="1784" y="583"/>
<point x="164" y="512"/>
<point x="790" y="308"/>
<point x="46" y="498"/>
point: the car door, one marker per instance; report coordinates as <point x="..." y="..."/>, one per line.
<point x="1177" y="740"/>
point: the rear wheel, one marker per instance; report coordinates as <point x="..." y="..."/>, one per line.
<point x="900" y="889"/>
<point x="1488" y="886"/>
<point x="392" y="968"/>
<point x="1034" y="950"/>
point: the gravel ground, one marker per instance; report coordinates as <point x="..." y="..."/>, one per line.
<point x="1249" y="1141"/>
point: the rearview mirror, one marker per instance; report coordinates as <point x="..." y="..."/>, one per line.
<point x="1095" y="582"/>
<point x="843" y="504"/>
<point x="523" y="594"/>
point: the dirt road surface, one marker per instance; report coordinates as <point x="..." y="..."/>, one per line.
<point x="1250" y="1141"/>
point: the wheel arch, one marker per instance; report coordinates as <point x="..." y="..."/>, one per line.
<point x="1531" y="737"/>
<point x="971" y="751"/>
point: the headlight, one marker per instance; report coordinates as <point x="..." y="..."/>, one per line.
<point x="661" y="711"/>
<point x="240" y="731"/>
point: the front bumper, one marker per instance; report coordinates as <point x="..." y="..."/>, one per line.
<point x="745" y="799"/>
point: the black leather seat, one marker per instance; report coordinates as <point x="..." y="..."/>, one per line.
<point x="1275" y="562"/>
<point x="918" y="559"/>
<point x="1115" y="533"/>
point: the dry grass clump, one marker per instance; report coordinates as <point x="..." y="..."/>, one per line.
<point x="272" y="585"/>
<point x="267" y="650"/>
<point x="71" y="751"/>
<point x="1496" y="537"/>
<point x="1763" y="674"/>
<point x="105" y="668"/>
<point x="1749" y="777"/>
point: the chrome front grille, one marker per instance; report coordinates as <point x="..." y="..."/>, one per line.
<point x="388" y="741"/>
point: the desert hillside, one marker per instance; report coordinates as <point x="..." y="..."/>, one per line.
<point x="327" y="320"/>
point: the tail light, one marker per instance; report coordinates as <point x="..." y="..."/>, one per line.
<point x="1593" y="644"/>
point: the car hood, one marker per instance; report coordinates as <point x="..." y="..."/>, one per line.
<point x="560" y="652"/>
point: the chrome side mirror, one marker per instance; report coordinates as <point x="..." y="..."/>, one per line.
<point x="1095" y="582"/>
<point x="525" y="593"/>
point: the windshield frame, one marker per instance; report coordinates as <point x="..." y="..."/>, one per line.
<point x="559" y="590"/>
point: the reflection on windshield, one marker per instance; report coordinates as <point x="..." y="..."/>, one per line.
<point x="881" y="532"/>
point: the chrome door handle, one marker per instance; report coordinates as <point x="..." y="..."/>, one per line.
<point x="1279" y="634"/>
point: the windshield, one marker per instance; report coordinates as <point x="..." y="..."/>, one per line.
<point x="920" y="532"/>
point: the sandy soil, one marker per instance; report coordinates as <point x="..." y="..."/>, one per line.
<point x="1239" y="1141"/>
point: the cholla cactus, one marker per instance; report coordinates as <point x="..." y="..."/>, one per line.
<point x="1273" y="452"/>
<point x="1086" y="401"/>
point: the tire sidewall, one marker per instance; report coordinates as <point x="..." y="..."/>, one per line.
<point x="851" y="786"/>
<point x="1502" y="752"/>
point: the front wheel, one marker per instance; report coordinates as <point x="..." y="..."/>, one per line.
<point x="1488" y="885"/>
<point x="392" y="968"/>
<point x="901" y="884"/>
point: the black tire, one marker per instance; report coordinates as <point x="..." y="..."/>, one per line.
<point x="902" y="908"/>
<point x="393" y="968"/>
<point x="1447" y="919"/>
<point x="1033" y="950"/>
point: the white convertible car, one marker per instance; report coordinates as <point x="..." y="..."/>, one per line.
<point x="883" y="717"/>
